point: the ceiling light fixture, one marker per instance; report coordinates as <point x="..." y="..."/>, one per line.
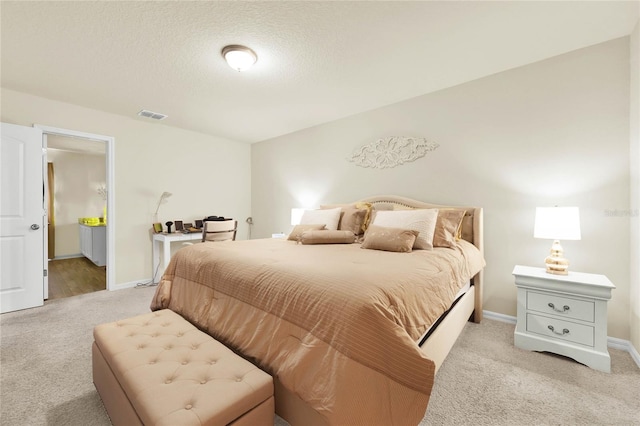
<point x="240" y="58"/>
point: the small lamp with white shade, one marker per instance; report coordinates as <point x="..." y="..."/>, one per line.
<point x="557" y="223"/>
<point x="296" y="216"/>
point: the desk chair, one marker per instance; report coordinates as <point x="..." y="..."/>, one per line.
<point x="223" y="230"/>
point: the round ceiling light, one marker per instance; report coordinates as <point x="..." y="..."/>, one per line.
<point x="240" y="58"/>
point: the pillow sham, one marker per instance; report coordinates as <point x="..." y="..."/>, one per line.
<point x="327" y="237"/>
<point x="466" y="230"/>
<point x="389" y="239"/>
<point x="298" y="230"/>
<point x="448" y="228"/>
<point x="330" y="217"/>
<point x="354" y="217"/>
<point x="353" y="220"/>
<point x="421" y="220"/>
<point x="367" y="207"/>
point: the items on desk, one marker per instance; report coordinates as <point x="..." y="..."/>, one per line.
<point x="186" y="228"/>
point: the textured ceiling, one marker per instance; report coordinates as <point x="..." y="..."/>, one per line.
<point x="318" y="61"/>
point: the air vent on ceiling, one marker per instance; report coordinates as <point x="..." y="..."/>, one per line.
<point x="151" y="114"/>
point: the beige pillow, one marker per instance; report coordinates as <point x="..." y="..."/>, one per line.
<point x="466" y="230"/>
<point x="367" y="207"/>
<point x="448" y="228"/>
<point x="389" y="239"/>
<point x="421" y="220"/>
<point x="330" y="217"/>
<point x="298" y="230"/>
<point x="353" y="220"/>
<point x="354" y="217"/>
<point x="327" y="237"/>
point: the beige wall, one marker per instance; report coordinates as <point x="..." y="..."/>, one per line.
<point x="77" y="177"/>
<point x="634" y="118"/>
<point x="207" y="175"/>
<point x="554" y="132"/>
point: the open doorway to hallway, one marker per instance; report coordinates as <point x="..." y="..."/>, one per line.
<point x="77" y="243"/>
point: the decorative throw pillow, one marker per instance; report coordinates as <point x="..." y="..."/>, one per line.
<point x="367" y="207"/>
<point x="421" y="220"/>
<point x="297" y="231"/>
<point x="327" y="237"/>
<point x="353" y="217"/>
<point x="353" y="220"/>
<point x="389" y="239"/>
<point x="447" y="228"/>
<point x="330" y="217"/>
<point x="466" y="230"/>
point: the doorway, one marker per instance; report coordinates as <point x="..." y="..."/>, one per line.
<point x="87" y="141"/>
<point x="76" y="173"/>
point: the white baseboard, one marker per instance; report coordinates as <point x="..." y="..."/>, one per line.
<point x="131" y="284"/>
<point x="624" y="345"/>
<point x="499" y="317"/>
<point x="67" y="256"/>
<point x="612" y="342"/>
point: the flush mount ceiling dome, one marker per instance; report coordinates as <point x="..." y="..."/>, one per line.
<point x="240" y="58"/>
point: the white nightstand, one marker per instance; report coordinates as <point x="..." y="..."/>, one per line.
<point x="564" y="314"/>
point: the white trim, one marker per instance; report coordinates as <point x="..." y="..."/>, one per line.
<point x="111" y="198"/>
<point x="612" y="342"/>
<point x="45" y="216"/>
<point x="499" y="317"/>
<point x="67" y="256"/>
<point x="131" y="284"/>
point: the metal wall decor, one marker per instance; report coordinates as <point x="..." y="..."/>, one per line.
<point x="391" y="151"/>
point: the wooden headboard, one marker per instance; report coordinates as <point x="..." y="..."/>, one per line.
<point x="472" y="230"/>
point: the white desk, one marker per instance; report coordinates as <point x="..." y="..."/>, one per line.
<point x="166" y="240"/>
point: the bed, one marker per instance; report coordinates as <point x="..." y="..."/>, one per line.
<point x="345" y="331"/>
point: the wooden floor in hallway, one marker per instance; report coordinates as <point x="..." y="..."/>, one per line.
<point x="74" y="276"/>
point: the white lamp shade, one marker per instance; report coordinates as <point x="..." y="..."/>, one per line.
<point x="296" y="216"/>
<point x="557" y="223"/>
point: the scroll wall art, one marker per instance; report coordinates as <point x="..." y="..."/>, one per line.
<point x="391" y="152"/>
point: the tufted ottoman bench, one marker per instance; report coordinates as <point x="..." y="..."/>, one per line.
<point x="158" y="369"/>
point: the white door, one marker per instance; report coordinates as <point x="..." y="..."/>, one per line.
<point x="21" y="218"/>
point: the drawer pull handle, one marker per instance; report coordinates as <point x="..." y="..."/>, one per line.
<point x="564" y="330"/>
<point x="565" y="308"/>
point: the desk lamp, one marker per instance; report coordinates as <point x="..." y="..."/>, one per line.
<point x="163" y="197"/>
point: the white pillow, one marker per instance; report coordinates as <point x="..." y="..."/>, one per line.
<point x="421" y="220"/>
<point x="328" y="217"/>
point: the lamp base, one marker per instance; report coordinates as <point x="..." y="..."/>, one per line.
<point x="556" y="262"/>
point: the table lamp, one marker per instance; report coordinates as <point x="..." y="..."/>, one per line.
<point x="296" y="216"/>
<point x="557" y="223"/>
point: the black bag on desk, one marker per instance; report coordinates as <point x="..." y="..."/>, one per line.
<point x="214" y="219"/>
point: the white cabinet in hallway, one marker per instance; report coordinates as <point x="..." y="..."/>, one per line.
<point x="93" y="243"/>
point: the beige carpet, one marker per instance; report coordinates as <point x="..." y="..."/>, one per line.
<point x="45" y="362"/>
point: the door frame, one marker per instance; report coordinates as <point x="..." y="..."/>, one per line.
<point x="110" y="181"/>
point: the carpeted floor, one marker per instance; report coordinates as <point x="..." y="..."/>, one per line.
<point x="45" y="362"/>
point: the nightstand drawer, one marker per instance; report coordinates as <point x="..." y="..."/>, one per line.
<point x="558" y="329"/>
<point x="559" y="305"/>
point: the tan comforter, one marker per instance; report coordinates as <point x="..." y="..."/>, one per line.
<point x="336" y="323"/>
